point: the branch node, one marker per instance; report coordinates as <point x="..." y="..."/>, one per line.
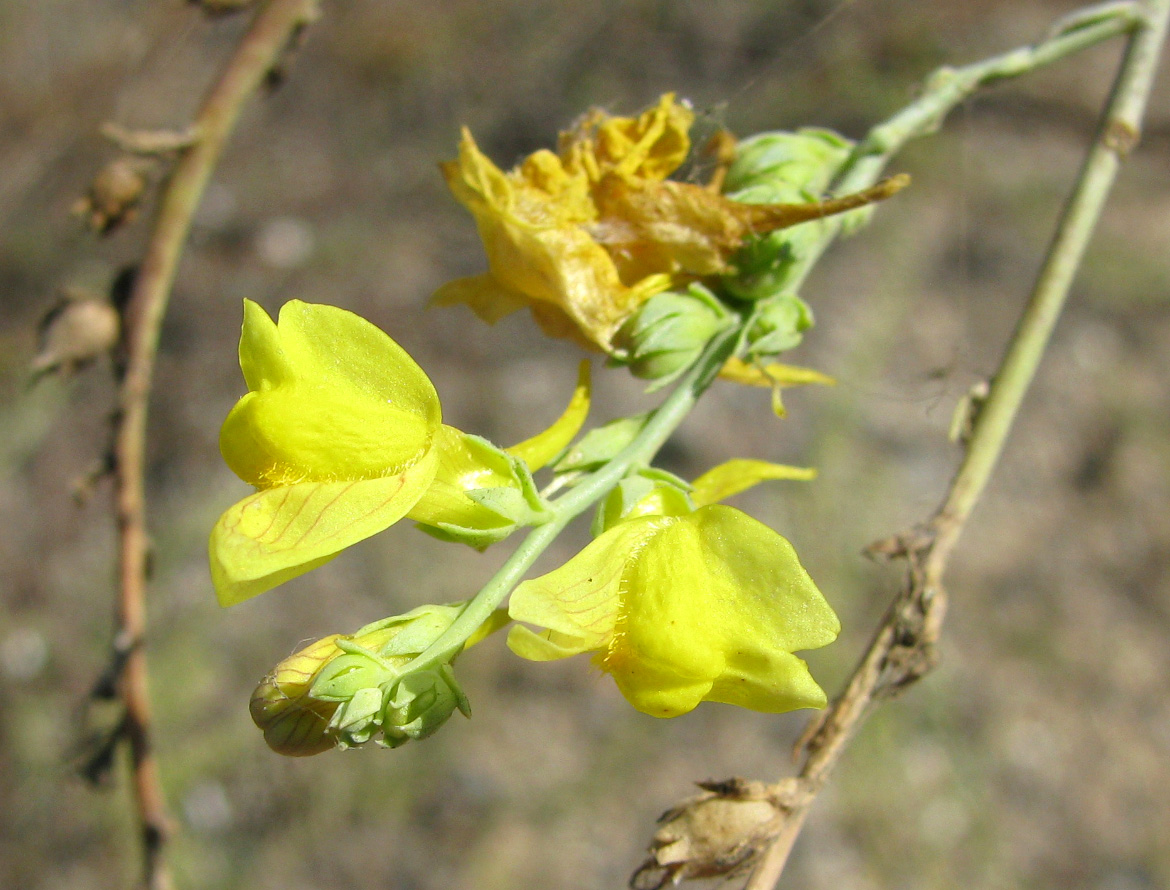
<point x="150" y="142"/>
<point x="1121" y="136"/>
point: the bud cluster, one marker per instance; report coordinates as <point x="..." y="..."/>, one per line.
<point x="343" y="691"/>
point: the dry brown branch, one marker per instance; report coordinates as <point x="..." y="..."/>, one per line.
<point x="274" y="26"/>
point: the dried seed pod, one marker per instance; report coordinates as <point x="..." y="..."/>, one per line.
<point x="77" y="330"/>
<point x="113" y="196"/>
<point x="714" y="834"/>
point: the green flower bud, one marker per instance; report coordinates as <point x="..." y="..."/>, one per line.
<point x="776" y="168"/>
<point x="779" y="325"/>
<point x="421" y="703"/>
<point x="667" y="333"/>
<point x="341" y="691"/>
<point x="781" y="167"/>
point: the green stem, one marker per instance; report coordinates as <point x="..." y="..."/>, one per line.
<point x="664" y="422"/>
<point x="948" y="87"/>
<point x="1117" y="135"/>
<point x="876" y="675"/>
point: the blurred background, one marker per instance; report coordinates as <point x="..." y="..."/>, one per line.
<point x="1037" y="756"/>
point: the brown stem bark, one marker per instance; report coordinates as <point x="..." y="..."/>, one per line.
<point x="273" y="27"/>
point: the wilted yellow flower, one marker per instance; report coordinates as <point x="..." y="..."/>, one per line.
<point x="584" y="236"/>
<point x="706" y="606"/>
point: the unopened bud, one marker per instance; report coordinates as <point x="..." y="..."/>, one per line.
<point x="341" y="691"/>
<point x="421" y="703"/>
<point x="667" y="333"/>
<point x="778" y="168"/>
<point x="783" y="167"/>
<point x="779" y="326"/>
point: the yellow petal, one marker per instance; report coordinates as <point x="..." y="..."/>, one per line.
<point x="734" y="476"/>
<point x="543" y="447"/>
<point x="343" y="349"/>
<point x="578" y="603"/>
<point x="308" y="432"/>
<point x="715" y="598"/>
<point x="771" y="682"/>
<point x="262" y="360"/>
<point x="775" y="375"/>
<point x="333" y="399"/>
<point x="281" y="533"/>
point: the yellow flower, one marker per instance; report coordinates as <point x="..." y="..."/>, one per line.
<point x="679" y="609"/>
<point x="338" y="435"/>
<point x="584" y="236"/>
<point x="342" y="436"/>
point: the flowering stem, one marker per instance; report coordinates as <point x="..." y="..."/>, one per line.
<point x="641" y="450"/>
<point x="902" y="649"/>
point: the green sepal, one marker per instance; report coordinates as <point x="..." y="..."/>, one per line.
<point x="459" y="510"/>
<point x="649" y="492"/>
<point x="357" y="720"/>
<point x="347" y="674"/>
<point x="601" y="444"/>
<point x="667" y="333"/>
<point x="420" y="628"/>
<point x="777" y="325"/>
<point x="420" y="703"/>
